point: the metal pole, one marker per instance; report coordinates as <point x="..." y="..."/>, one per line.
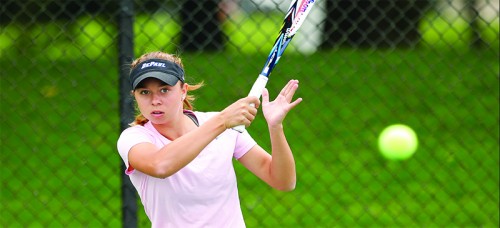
<point x="125" y="56"/>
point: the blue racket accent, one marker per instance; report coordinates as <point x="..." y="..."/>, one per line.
<point x="293" y="20"/>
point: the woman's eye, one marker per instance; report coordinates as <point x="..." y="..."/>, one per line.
<point x="144" y="92"/>
<point x="164" y="90"/>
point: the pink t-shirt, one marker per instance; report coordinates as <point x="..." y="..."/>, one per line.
<point x="202" y="194"/>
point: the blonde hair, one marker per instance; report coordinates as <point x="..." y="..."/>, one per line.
<point x="187" y="103"/>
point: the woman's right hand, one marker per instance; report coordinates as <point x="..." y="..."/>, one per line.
<point x="240" y="112"/>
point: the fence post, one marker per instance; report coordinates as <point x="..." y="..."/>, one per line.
<point x="125" y="56"/>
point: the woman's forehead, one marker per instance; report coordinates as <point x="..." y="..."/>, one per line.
<point x="151" y="82"/>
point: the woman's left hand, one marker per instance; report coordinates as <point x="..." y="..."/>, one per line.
<point x="276" y="111"/>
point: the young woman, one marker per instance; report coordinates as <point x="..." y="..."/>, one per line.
<point x="180" y="161"/>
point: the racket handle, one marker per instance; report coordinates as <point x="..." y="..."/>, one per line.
<point x="256" y="91"/>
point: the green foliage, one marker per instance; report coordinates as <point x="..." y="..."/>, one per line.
<point x="158" y="31"/>
<point x="241" y="31"/>
<point x="438" y="31"/>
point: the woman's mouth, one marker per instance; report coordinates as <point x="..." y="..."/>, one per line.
<point x="157" y="113"/>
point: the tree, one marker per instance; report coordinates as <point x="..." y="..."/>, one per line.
<point x="201" y="26"/>
<point x="374" y="23"/>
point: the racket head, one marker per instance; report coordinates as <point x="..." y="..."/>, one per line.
<point x="298" y="12"/>
<point x="295" y="16"/>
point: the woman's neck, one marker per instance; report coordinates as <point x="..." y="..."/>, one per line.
<point x="176" y="128"/>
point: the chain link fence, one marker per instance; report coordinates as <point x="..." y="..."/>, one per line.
<point x="363" y="65"/>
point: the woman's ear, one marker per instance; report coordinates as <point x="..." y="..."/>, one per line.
<point x="184" y="91"/>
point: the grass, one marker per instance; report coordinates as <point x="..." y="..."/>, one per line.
<point x="60" y="121"/>
<point x="342" y="179"/>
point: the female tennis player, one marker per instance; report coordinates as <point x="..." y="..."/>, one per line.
<point x="180" y="160"/>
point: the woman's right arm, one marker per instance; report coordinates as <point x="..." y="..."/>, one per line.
<point x="164" y="162"/>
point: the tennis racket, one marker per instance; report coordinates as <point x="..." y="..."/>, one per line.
<point x="295" y="16"/>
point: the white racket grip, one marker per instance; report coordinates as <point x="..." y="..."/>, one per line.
<point x="256" y="91"/>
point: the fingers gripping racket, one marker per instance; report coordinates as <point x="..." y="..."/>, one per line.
<point x="295" y="16"/>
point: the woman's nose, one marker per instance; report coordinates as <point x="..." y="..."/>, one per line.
<point x="156" y="100"/>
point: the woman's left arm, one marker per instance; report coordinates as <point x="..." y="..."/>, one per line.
<point x="278" y="169"/>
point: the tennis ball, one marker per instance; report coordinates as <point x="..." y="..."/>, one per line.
<point x="397" y="142"/>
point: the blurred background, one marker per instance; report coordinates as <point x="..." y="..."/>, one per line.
<point x="363" y="65"/>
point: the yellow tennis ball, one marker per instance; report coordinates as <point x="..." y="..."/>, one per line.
<point x="397" y="142"/>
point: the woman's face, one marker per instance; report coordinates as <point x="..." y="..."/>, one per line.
<point x="159" y="102"/>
